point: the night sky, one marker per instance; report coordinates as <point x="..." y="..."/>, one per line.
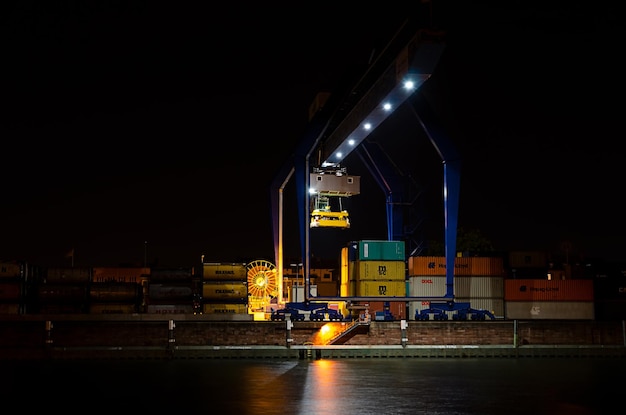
<point x="148" y="121"/>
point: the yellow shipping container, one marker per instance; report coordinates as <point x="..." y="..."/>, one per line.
<point x="344" y="276"/>
<point x="224" y="290"/>
<point x="219" y="271"/>
<point x="224" y="308"/>
<point x="377" y="270"/>
<point x="365" y="288"/>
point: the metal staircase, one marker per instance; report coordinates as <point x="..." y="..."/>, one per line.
<point x="354" y="328"/>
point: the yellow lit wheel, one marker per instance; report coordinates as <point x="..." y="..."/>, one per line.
<point x="262" y="279"/>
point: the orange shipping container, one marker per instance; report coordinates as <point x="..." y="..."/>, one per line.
<point x="469" y="266"/>
<point x="548" y="290"/>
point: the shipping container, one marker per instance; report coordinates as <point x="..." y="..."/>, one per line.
<point x="377" y="270"/>
<point x="344" y="275"/>
<point x="224" y="290"/>
<point x="224" y="308"/>
<point x="58" y="293"/>
<point x="327" y="289"/>
<point x="479" y="287"/>
<point x="470" y="266"/>
<point x="68" y="275"/>
<point x="170" y="309"/>
<point x="11" y="270"/>
<point x="528" y="273"/>
<point x="175" y="292"/>
<point x="11" y="291"/>
<point x="549" y="310"/>
<point x="221" y="271"/>
<point x="136" y="275"/>
<point x="10" y="308"/>
<point x="463" y="286"/>
<point x="548" y="290"/>
<point x="171" y="274"/>
<point x="380" y="289"/>
<point x="115" y="292"/>
<point x="527" y="259"/>
<point x="368" y="250"/>
<point x="61" y="308"/>
<point x="113" y="308"/>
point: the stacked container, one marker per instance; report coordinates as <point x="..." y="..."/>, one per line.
<point x="527" y="264"/>
<point x="118" y="290"/>
<point x="534" y="299"/>
<point x="173" y="291"/>
<point x="12" y="286"/>
<point x="377" y="269"/>
<point x="63" y="291"/>
<point x="478" y="281"/>
<point x="224" y="288"/>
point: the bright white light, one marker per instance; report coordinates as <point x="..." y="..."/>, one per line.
<point x="351" y="142"/>
<point x="387" y="106"/>
<point x="339" y="155"/>
<point x="367" y="126"/>
<point x="409" y="85"/>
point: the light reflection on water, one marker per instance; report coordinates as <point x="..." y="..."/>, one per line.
<point x="344" y="386"/>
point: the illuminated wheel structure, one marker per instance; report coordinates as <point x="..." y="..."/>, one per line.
<point x="262" y="286"/>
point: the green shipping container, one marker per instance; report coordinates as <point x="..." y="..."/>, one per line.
<point x="381" y="251"/>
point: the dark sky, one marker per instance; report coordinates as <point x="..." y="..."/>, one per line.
<point x="151" y="121"/>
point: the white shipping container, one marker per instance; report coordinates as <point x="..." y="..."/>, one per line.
<point x="463" y="286"/>
<point x="549" y="310"/>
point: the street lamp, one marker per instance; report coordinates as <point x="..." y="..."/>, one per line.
<point x="298" y="266"/>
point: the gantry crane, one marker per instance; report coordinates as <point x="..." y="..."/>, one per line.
<point x="342" y="126"/>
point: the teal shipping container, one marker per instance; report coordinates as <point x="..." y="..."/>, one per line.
<point x="370" y="250"/>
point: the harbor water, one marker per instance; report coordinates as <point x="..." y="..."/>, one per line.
<point x="466" y="386"/>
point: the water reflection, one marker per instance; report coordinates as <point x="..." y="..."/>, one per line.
<point x="343" y="386"/>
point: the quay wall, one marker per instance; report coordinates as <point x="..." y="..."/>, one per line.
<point x="197" y="336"/>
